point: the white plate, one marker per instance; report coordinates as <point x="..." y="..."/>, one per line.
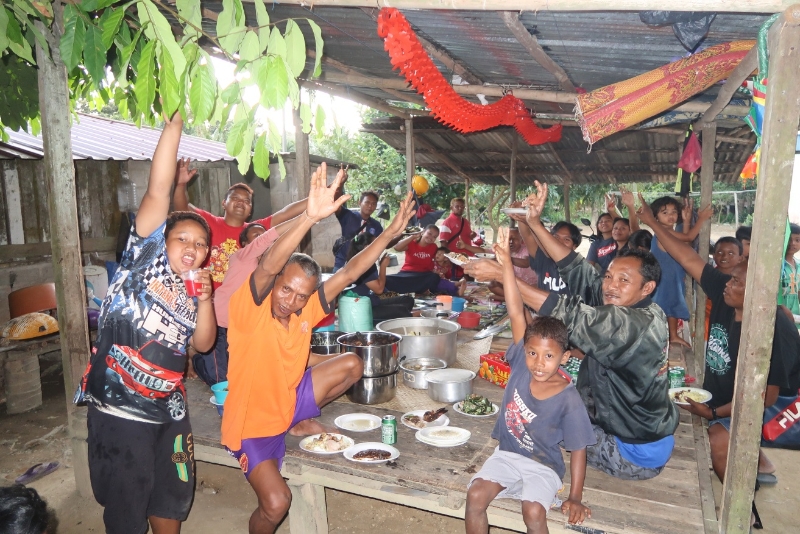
<point x="305" y="441"/>
<point x="214" y="401"/>
<point x="457" y="407"/>
<point x="358" y="422"/>
<point x="371" y="445"/>
<point x="485" y="255"/>
<point x="455" y="260"/>
<point x="705" y="396"/>
<point x="438" y="444"/>
<point x="515" y="211"/>
<point x="443" y="420"/>
<point x="445" y="434"/>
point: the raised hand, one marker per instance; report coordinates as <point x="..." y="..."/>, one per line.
<point x="645" y="213"/>
<point x="183" y="173"/>
<point x="535" y="203"/>
<point x="404" y="214"/>
<point x="627" y="199"/>
<point x="705" y="213"/>
<point x="204" y="285"/>
<point x="519" y="217"/>
<point x="687" y="211"/>
<point x="322" y="201"/>
<point x="484" y="270"/>
<point x="501" y="249"/>
<point x="611" y="203"/>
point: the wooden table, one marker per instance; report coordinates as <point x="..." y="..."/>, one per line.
<point x="678" y="501"/>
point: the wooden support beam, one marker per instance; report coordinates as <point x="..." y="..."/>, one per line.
<point x="730" y="6"/>
<point x="10" y="253"/>
<point x="781" y="116"/>
<point x="302" y="172"/>
<point x="745" y="68"/>
<point x="422" y="142"/>
<point x="531" y="44"/>
<point x="64" y="235"/>
<point x="414" y="98"/>
<point x="567" y="214"/>
<point x="410" y="167"/>
<point x="436" y="51"/>
<point x="681" y="132"/>
<point x="357" y="97"/>
<point x="512" y="170"/>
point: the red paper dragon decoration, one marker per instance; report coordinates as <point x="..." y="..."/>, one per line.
<point x="447" y="106"/>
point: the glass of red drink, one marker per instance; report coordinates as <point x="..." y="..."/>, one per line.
<point x="191" y="280"/>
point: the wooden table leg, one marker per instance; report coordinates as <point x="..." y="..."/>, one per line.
<point x="23" y="383"/>
<point x="308" y="513"/>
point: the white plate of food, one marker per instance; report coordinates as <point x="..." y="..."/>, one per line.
<point x="412" y="230"/>
<point x="679" y="395"/>
<point x="476" y="406"/>
<point x="515" y="211"/>
<point x="326" y="443"/>
<point x="485" y="256"/>
<point x="358" y="422"/>
<point x="371" y="453"/>
<point x="434" y="443"/>
<point x="417" y="419"/>
<point x="458" y="259"/>
<point x="445" y="434"/>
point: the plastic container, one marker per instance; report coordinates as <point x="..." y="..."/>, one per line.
<point x="220" y="391"/>
<point x="96" y="279"/>
<point x="355" y="314"/>
<point x="469" y="319"/>
<point x="218" y="405"/>
<point x="447" y="302"/>
<point x="458" y="304"/>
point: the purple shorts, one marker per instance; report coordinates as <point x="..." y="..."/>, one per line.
<point x="256" y="450"/>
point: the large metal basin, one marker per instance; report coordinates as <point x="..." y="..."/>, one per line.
<point x="378" y="350"/>
<point x="424" y="337"/>
<point x="375" y="390"/>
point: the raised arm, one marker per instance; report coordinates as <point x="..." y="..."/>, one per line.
<point x="485" y="270"/>
<point x="321" y="204"/>
<point x="513" y="299"/>
<point x="525" y="231"/>
<point x="680" y="251"/>
<point x="180" y="196"/>
<point x="154" y="208"/>
<point x="629" y="202"/>
<point x="403" y="244"/>
<point x="362" y="261"/>
<point x="552" y="246"/>
<point x="377" y="286"/>
<point x="289" y="212"/>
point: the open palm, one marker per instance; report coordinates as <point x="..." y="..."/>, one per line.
<point x="404" y="214"/>
<point x="536" y="202"/>
<point x="322" y="201"/>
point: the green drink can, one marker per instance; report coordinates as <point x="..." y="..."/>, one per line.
<point x="677" y="375"/>
<point x="389" y="429"/>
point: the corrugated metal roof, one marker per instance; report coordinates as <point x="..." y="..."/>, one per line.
<point x="96" y="137"/>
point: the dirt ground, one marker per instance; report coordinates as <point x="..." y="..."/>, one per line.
<point x="224" y="500"/>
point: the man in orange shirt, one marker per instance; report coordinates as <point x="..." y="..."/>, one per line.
<point x="275" y="385"/>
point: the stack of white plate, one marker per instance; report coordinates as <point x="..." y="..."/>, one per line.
<point x="443" y="436"/>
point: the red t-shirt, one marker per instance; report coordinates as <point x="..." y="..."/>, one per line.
<point x="450" y="228"/>
<point x="224" y="242"/>
<point x="419" y="259"/>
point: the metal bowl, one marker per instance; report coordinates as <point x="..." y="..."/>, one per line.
<point x="414" y="371"/>
<point x="449" y="385"/>
<point x="378" y="351"/>
<point x="325" y="342"/>
<point x="424" y="337"/>
<point x="373" y="390"/>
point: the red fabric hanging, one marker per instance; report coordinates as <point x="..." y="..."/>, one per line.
<point x="692" y="157"/>
<point x="408" y="56"/>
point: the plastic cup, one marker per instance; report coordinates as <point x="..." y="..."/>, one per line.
<point x="447" y="302"/>
<point x="191" y="279"/>
<point x="458" y="304"/>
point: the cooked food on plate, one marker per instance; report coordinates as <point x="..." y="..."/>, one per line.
<point x="461" y="258"/>
<point x="415" y="420"/>
<point x="372" y="454"/>
<point x="432" y="415"/>
<point x="328" y="443"/>
<point x="686" y="394"/>
<point x="477" y="405"/>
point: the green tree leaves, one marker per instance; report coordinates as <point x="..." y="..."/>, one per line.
<point x="203" y="94"/>
<point x="319" y="44"/>
<point x="262" y="17"/>
<point x="275" y="89"/>
<point x="71" y="45"/>
<point x="295" y="48"/>
<point x="230" y="26"/>
<point x="94" y="53"/>
<point x="146" y="80"/>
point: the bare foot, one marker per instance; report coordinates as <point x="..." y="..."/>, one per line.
<point x="677" y="340"/>
<point x="308" y="427"/>
<point x="764" y="464"/>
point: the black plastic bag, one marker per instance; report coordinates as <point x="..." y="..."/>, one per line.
<point x="690" y="27"/>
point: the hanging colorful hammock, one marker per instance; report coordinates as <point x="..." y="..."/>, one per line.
<point x="618" y="106"/>
<point x="408" y="55"/>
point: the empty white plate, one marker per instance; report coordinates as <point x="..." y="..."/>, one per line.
<point x="358" y="422"/>
<point x="445" y="434"/>
<point x="437" y="444"/>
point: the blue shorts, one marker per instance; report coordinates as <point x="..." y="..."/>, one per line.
<point x="257" y="450"/>
<point x="724" y="421"/>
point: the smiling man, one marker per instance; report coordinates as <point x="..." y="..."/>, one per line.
<point x="623" y="378"/>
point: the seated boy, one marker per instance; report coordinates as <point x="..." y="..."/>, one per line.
<point x="541" y="408"/>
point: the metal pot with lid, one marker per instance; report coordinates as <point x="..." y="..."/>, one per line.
<point x="414" y="371"/>
<point x="424" y="337"/>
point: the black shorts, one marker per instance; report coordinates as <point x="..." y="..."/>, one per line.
<point x="140" y="470"/>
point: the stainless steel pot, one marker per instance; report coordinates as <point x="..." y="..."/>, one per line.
<point x="414" y="371"/>
<point x="449" y="385"/>
<point x="378" y="350"/>
<point x="425" y="337"/>
<point x="373" y="390"/>
<point x="325" y="342"/>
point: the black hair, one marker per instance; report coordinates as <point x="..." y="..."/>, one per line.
<point x="357" y="244"/>
<point x="309" y="265"/>
<point x="574" y="232"/>
<point x="243" y="242"/>
<point x="649" y="268"/>
<point x="743" y="233"/>
<point x="732" y="240"/>
<point x="662" y="202"/>
<point x="22" y="511"/>
<point x="178" y="216"/>
<point x="547" y="327"/>
<point x="640" y="239"/>
<point x="370" y="193"/>
<point x="794" y="229"/>
<point x="597" y="223"/>
<point x="623" y="219"/>
<point x="431" y="227"/>
<point x="443" y="249"/>
<point x="241" y="185"/>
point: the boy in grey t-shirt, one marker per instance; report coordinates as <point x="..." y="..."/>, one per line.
<point x="541" y="409"/>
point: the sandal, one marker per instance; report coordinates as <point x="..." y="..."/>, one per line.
<point x="36" y="472"/>
<point x="767" y="479"/>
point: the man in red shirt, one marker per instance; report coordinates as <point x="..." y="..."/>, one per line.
<point x="237" y="208"/>
<point x="456" y="231"/>
<point x="417" y="274"/>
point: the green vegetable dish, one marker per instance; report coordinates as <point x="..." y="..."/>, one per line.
<point x="477" y="405"/>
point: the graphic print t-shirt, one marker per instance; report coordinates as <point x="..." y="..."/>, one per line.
<point x="602" y="252"/>
<point x="547" y="272"/>
<point x="419" y="259"/>
<point x="224" y="242"/>
<point x="146" y="320"/>
<point x="534" y="428"/>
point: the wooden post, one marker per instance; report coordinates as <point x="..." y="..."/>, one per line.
<point x="736" y="208"/>
<point x="302" y="171"/>
<point x="567" y="215"/>
<point x="512" y="171"/>
<point x="706" y="189"/>
<point x="409" y="152"/>
<point x="65" y="237"/>
<point x="781" y="116"/>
